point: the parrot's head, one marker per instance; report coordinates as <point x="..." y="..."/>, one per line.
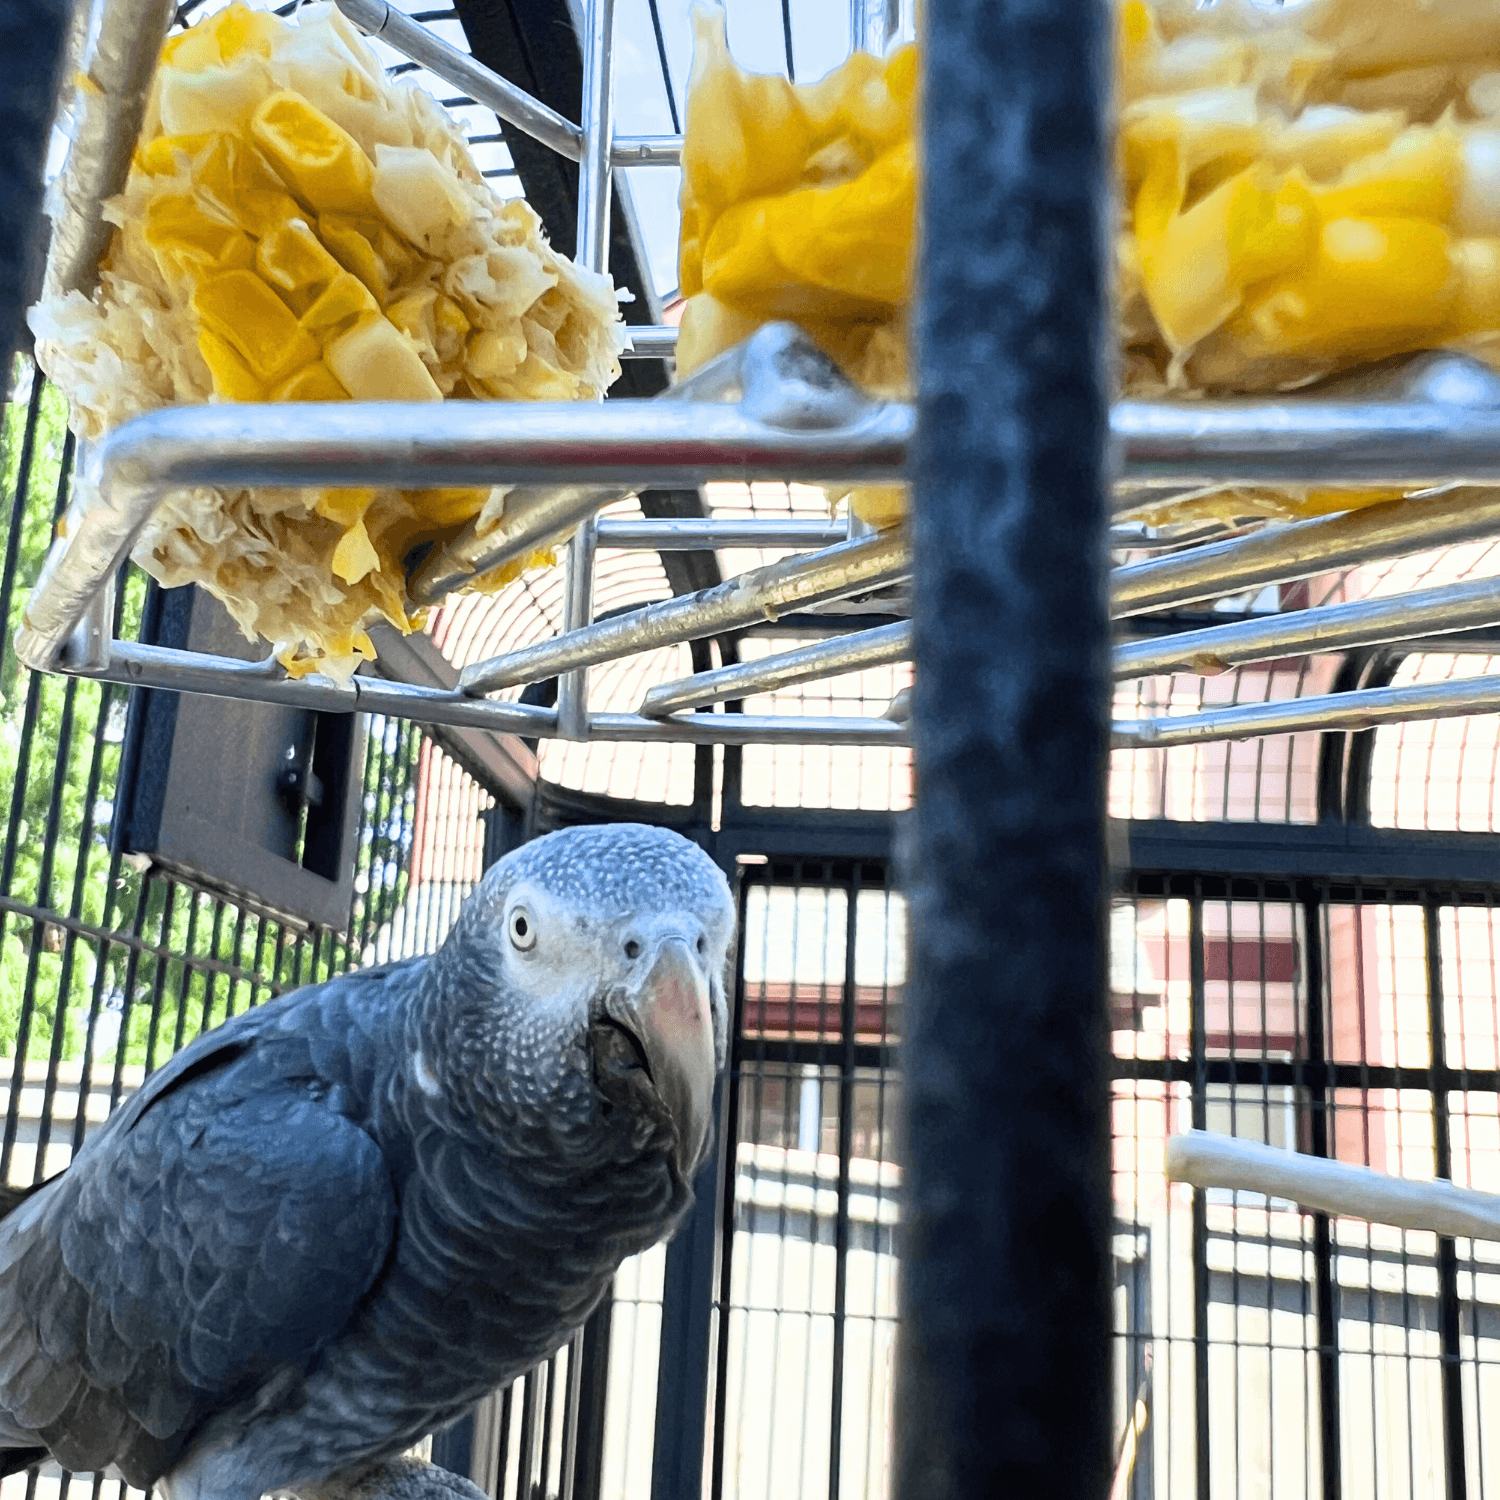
<point x="601" y="955"/>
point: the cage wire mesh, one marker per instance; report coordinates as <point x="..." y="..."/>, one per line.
<point x="1260" y="1351"/>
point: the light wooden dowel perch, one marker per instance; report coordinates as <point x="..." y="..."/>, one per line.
<point x="1205" y="1160"/>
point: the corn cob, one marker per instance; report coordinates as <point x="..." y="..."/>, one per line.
<point x="798" y="202"/>
<point x="1301" y="190"/>
<point x="296" y="228"/>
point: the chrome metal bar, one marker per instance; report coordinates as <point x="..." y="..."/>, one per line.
<point x="1206" y="1160"/>
<point x="672" y="443"/>
<point x="619" y="445"/>
<point x="646" y="151"/>
<point x="218" y="676"/>
<point x="89" y="644"/>
<point x="513" y="105"/>
<point x="651" y="341"/>
<point x="1281" y="554"/>
<point x="693" y="536"/>
<point x="594" y="188"/>
<point x="1364" y="708"/>
<point x="263" y="682"/>
<point x="107" y="116"/>
<point x="594" y="176"/>
<point x="865" y="648"/>
<point x="777" y="375"/>
<point x="425" y="706"/>
<point x="1306" y="440"/>
<point x="224" y="677"/>
<point x="533" y="518"/>
<point x="1334" y="627"/>
<point x="794" y="583"/>
<point x="578" y="614"/>
<point x="871" y="24"/>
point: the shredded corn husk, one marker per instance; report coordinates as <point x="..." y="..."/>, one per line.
<point x="1301" y="190"/>
<point x="297" y="228"/>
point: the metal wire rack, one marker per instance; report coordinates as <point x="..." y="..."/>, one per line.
<point x="773" y="409"/>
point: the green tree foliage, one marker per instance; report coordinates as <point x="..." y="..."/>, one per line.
<point x="139" y="963"/>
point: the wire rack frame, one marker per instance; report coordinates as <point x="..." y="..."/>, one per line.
<point x="775" y="408"/>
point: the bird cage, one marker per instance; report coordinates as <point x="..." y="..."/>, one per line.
<point x="1246" y="665"/>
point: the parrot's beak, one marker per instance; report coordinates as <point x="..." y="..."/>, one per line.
<point x="674" y="1024"/>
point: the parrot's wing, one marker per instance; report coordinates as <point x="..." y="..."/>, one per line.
<point x="225" y="1227"/>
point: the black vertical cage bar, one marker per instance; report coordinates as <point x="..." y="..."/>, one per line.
<point x="1005" y="1351"/>
<point x="733" y="1080"/>
<point x="1447" y="1257"/>
<point x="1198" y="1106"/>
<point x="1325" y="1283"/>
<point x="33" y="47"/>
<point x="592" y="1404"/>
<point x="848" y="1015"/>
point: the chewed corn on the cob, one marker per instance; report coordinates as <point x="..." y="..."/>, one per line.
<point x="1301" y="189"/>
<point x="798" y="202"/>
<point x="296" y="228"/>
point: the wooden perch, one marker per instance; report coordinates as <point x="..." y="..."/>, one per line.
<point x="1333" y="1187"/>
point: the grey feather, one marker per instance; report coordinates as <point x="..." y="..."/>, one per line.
<point x="44" y="1389"/>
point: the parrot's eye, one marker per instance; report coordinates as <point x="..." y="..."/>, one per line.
<point x="702" y="943"/>
<point x="522" y="929"/>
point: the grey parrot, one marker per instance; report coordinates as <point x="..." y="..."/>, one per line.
<point x="328" y="1227"/>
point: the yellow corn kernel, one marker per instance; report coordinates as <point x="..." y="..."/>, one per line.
<point x="1415" y="177"/>
<point x="416" y="316"/>
<point x="239" y="29"/>
<point x="495" y="356"/>
<point x="345" y="507"/>
<point x="222" y="98"/>
<point x="231" y="375"/>
<point x="355" y="556"/>
<point x="1326" y="143"/>
<point x="818" y="249"/>
<point x="452" y="327"/>
<point x="1163" y="187"/>
<point x="239" y="180"/>
<point x="1197" y="269"/>
<point x="417" y="194"/>
<point x="449" y="507"/>
<point x="164" y="156"/>
<point x="1375" y="287"/>
<point x="1476" y="263"/>
<point x="375" y="363"/>
<point x="882" y="505"/>
<point x="343" y="304"/>
<point x="179" y="231"/>
<point x="320" y="160"/>
<point x="255" y="322"/>
<point x="350" y="240"/>
<point x="314" y="382"/>
<point x="191" y="51"/>
<point x="1208" y="135"/>
<point x="293" y="261"/>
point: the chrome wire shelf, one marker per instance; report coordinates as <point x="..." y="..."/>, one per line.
<point x="774" y="409"/>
